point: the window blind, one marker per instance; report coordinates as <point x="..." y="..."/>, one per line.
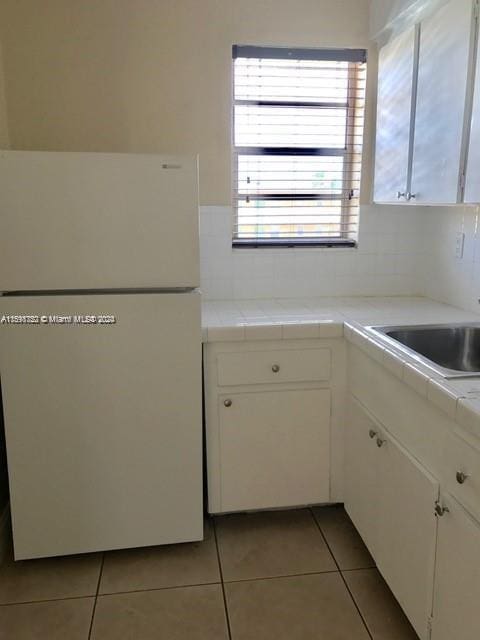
<point x="298" y="132"/>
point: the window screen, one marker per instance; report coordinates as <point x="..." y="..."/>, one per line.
<point x="298" y="131"/>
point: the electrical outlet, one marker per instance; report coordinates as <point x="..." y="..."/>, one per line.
<point x="459" y="244"/>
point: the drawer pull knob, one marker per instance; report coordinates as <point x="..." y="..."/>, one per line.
<point x="461" y="477"/>
<point x="227" y="403"/>
<point x="380" y="442"/>
<point x="275" y="368"/>
<point x="372" y="434"/>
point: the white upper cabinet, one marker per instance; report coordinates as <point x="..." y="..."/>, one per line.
<point x="387" y="16"/>
<point x="425" y="89"/>
<point x="443" y="74"/>
<point x="396" y="86"/>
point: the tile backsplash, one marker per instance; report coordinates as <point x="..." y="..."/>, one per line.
<point x="388" y="260"/>
<point x="448" y="278"/>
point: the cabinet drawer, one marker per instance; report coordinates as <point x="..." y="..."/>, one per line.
<point x="267" y="367"/>
<point x="462" y="458"/>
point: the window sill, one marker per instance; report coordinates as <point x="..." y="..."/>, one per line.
<point x="292" y="244"/>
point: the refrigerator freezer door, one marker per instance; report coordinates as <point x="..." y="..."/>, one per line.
<point x="103" y="423"/>
<point x="97" y="221"/>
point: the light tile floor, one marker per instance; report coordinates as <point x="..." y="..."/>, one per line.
<point x="298" y="575"/>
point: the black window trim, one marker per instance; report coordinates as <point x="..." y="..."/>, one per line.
<point x="292" y="243"/>
<point x="296" y="53"/>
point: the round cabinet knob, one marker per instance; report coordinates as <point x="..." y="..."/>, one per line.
<point x="275" y="368"/>
<point x="380" y="442"/>
<point x="401" y="194"/>
<point x="372" y="434"/>
<point x="461" y="477"/>
<point x="227" y="403"/>
<point x="411" y="196"/>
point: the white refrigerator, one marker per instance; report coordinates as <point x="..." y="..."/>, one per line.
<point x="100" y="350"/>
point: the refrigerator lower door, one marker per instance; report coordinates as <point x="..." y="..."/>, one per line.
<point x="103" y="422"/>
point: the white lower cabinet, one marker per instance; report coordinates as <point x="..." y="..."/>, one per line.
<point x="407" y="529"/>
<point x="390" y="498"/>
<point x="274" y="415"/>
<point x="360" y="484"/>
<point x="456" y="612"/>
<point x="274" y="448"/>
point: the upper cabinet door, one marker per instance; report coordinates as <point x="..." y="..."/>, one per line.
<point x="396" y="88"/>
<point x="472" y="176"/>
<point x="444" y="63"/>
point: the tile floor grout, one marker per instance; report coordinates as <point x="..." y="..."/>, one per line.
<point x="283" y="575"/>
<point x="96" y="596"/>
<point x="227" y="616"/>
<point x="176" y="586"/>
<point x="222" y="582"/>
<point x="42" y="601"/>
<point x="358" y="569"/>
<point x="184" y="586"/>
<point x="341" y="575"/>
<point x="187" y="585"/>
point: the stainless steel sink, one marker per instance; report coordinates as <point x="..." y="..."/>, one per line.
<point x="452" y="350"/>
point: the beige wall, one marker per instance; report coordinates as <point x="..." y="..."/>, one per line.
<point x="149" y="75"/>
<point x="4" y="142"/>
<point x="4" y="139"/>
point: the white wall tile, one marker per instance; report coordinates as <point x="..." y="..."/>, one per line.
<point x="388" y="260"/>
<point x="448" y="278"/>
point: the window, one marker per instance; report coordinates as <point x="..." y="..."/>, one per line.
<point x="298" y="131"/>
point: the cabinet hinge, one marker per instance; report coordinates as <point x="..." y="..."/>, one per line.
<point x="476" y="9"/>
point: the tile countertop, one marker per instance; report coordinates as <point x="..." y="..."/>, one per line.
<point x="277" y="319"/>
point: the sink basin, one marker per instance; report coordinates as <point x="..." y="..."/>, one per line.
<point x="452" y="350"/>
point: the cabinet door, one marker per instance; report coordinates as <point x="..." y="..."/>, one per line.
<point x="274" y="449"/>
<point x="407" y="531"/>
<point x="361" y="459"/>
<point x="456" y="612"/>
<point x="472" y="176"/>
<point x="396" y="84"/>
<point x="445" y="45"/>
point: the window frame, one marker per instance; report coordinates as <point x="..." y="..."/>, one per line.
<point x="353" y="57"/>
